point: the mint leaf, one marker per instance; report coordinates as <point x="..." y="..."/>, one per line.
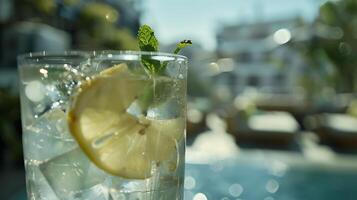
<point x="154" y="66"/>
<point x="181" y="45"/>
<point x="147" y="39"/>
<point x="148" y="42"/>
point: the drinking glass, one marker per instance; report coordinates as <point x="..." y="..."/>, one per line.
<point x="103" y="125"/>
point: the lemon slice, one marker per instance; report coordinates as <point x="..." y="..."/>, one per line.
<point x="116" y="141"/>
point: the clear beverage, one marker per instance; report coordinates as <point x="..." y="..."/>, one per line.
<point x="57" y="165"/>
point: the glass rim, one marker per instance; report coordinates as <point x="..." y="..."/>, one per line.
<point x="89" y="53"/>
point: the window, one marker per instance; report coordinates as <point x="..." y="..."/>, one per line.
<point x="253" y="81"/>
<point x="244" y="57"/>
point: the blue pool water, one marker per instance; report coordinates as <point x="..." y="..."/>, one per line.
<point x="234" y="180"/>
<point x="266" y="178"/>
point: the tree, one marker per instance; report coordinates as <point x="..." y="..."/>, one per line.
<point x="335" y="39"/>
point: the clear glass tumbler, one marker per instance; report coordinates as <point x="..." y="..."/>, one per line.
<point x="103" y="125"/>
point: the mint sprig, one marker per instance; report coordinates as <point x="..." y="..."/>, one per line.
<point x="147" y="39"/>
<point x="181" y="45"/>
<point x="148" y="42"/>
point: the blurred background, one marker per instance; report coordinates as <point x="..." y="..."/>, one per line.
<point x="272" y="87"/>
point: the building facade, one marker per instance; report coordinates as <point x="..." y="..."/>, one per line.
<point x="261" y="56"/>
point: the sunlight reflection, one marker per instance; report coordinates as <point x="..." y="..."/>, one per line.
<point x="200" y="196"/>
<point x="282" y="36"/>
<point x="190" y="182"/>
<point x="272" y="186"/>
<point x="235" y="190"/>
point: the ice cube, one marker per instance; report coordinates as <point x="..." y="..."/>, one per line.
<point x="118" y="184"/>
<point x="54" y="121"/>
<point x="120" y="188"/>
<point x="39" y="108"/>
<point x="175" y="192"/>
<point x="60" y="83"/>
<point x="118" y="195"/>
<point x="167" y="110"/>
<point x="71" y="77"/>
<point x="71" y="175"/>
<point x="37" y="186"/>
<point x="172" y="193"/>
<point x="158" y="187"/>
<point x="55" y="95"/>
<point x="41" y="146"/>
<point x="97" y="192"/>
<point x="48" y="136"/>
<point x="135" y="109"/>
<point x="44" y="96"/>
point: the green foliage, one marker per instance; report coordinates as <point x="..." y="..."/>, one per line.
<point x="71" y="2"/>
<point x="120" y="39"/>
<point x="329" y="13"/>
<point x="352" y="108"/>
<point x="45" y="6"/>
<point x="148" y="42"/>
<point x="181" y="45"/>
<point x="99" y="13"/>
<point x="147" y="39"/>
<point x="94" y="25"/>
<point x="336" y="38"/>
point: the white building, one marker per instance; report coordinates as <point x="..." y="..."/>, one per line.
<point x="261" y="56"/>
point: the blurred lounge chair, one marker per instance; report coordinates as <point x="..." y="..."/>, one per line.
<point x="275" y="130"/>
<point x="336" y="130"/>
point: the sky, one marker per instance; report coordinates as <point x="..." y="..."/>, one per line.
<point x="199" y="20"/>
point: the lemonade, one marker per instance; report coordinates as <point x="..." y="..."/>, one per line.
<point x="97" y="125"/>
